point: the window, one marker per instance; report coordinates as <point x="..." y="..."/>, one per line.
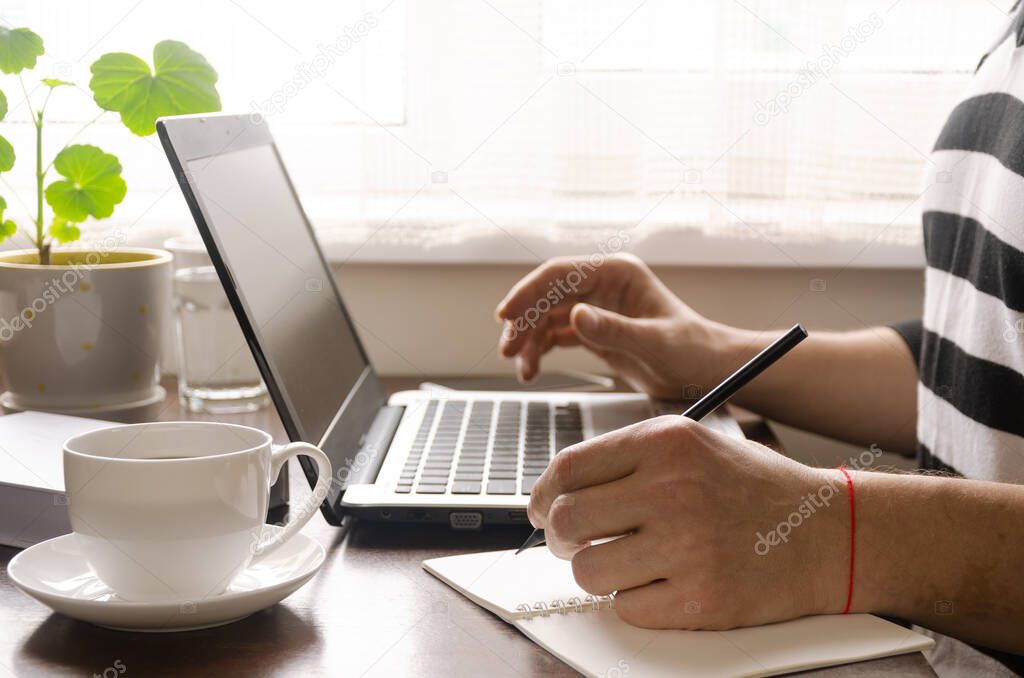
<point x="515" y="129"/>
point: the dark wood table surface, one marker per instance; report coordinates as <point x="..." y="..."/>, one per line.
<point x="370" y="611"/>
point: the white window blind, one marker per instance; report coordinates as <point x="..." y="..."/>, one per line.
<point x="523" y="127"/>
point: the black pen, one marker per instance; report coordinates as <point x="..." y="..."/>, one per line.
<point x="717" y="396"/>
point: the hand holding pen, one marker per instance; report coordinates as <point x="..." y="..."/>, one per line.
<point x="721" y="393"/>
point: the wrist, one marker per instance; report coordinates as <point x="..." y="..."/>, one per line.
<point x="879" y="580"/>
<point x="885" y="579"/>
<point x="723" y="347"/>
<point x="733" y="348"/>
<point x="830" y="548"/>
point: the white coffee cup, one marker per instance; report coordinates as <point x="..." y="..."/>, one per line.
<point x="173" y="511"/>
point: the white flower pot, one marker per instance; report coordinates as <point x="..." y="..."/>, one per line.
<point x="84" y="332"/>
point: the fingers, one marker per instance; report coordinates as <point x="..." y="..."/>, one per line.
<point x="517" y="332"/>
<point x="599" y="328"/>
<point x="542" y="301"/>
<point x="618" y="565"/>
<point x="599" y="460"/>
<point x="537" y="311"/>
<point x="565" y="336"/>
<point x="529" y="348"/>
<point x="657" y="605"/>
<point x="528" y="360"/>
<point x="577" y="518"/>
<point x="546" y="281"/>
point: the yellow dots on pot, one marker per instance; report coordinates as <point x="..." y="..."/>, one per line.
<point x="143" y="309"/>
<point x="41" y="388"/>
<point x="86" y="345"/>
<point x="28" y="313"/>
<point x="136" y="376"/>
<point x="84" y="287"/>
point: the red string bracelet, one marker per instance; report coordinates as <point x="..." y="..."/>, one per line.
<point x="853" y="525"/>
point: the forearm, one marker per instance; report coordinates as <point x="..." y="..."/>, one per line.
<point x="856" y="386"/>
<point x="944" y="553"/>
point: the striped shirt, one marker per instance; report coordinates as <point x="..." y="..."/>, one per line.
<point x="970" y="343"/>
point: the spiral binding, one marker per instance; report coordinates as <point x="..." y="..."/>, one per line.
<point x="559" y="606"/>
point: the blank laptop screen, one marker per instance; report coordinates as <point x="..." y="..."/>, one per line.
<point x="303" y="328"/>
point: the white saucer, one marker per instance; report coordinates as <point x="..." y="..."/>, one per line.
<point x="55" y="573"/>
<point x="136" y="410"/>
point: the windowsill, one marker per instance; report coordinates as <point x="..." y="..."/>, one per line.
<point x="665" y="249"/>
<point x="673" y="248"/>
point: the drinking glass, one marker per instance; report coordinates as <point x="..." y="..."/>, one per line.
<point x="216" y="371"/>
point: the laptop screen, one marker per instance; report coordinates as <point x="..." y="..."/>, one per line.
<point x="305" y="333"/>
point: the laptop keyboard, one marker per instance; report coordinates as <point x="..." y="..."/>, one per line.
<point x="487" y="446"/>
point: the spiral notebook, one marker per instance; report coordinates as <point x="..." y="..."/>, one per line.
<point x="536" y="593"/>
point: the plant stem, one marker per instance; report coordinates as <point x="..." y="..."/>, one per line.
<point x="37" y="121"/>
<point x="44" y="248"/>
<point x="39" y="188"/>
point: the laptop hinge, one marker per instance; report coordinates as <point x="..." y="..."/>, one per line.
<point x="374" y="445"/>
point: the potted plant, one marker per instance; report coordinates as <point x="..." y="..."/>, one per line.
<point x="80" y="328"/>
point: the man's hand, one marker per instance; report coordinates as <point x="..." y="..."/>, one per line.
<point x="702" y="515"/>
<point x="721" y="533"/>
<point x="856" y="386"/>
<point x="620" y="311"/>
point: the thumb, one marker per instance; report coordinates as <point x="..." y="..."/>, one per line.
<point x="600" y="328"/>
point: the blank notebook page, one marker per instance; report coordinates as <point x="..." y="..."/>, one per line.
<point x="592" y="639"/>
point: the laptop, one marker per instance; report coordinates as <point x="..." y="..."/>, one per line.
<point x="465" y="458"/>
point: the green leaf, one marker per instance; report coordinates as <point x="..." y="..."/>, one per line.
<point x="7" y="229"/>
<point x="182" y="82"/>
<point x="55" y="82"/>
<point x="3" y="105"/>
<point x="6" y="155"/>
<point x="93" y="183"/>
<point x="19" y="49"/>
<point x="64" y="231"/>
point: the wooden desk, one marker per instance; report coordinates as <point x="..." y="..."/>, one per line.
<point x="371" y="611"/>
